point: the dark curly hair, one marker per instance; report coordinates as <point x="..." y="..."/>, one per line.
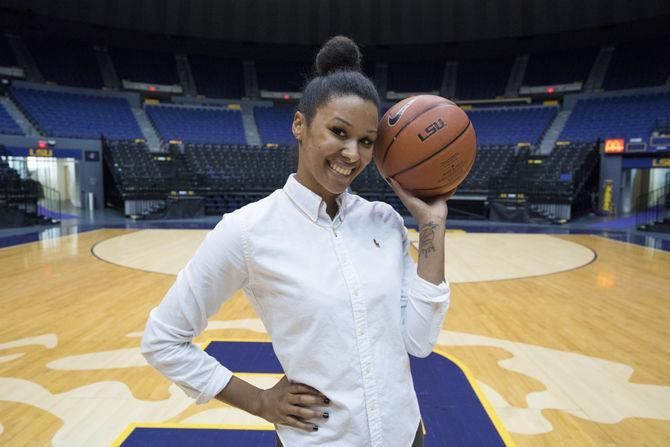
<point x="337" y="73"/>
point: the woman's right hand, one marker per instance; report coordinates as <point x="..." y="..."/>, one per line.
<point x="286" y="403"/>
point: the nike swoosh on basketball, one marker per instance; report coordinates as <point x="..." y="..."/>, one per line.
<point x="394" y="119"/>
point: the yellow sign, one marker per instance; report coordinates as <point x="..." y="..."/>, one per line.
<point x="40" y="152"/>
<point x="661" y="162"/>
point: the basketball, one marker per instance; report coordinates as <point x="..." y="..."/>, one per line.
<point x="427" y="144"/>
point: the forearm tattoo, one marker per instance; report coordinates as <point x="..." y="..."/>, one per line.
<point x="427" y="239"/>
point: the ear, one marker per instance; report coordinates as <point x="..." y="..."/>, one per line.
<point x="299" y="126"/>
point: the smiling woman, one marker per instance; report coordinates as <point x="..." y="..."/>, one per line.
<point x="336" y="143"/>
<point x="330" y="276"/>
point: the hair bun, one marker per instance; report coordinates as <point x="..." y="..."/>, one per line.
<point x="339" y="53"/>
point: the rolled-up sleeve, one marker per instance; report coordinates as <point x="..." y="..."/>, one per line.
<point x="217" y="270"/>
<point x="423" y="307"/>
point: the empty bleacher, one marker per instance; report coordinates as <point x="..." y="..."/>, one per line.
<point x="7" y="123"/>
<point x="217" y="77"/>
<point x="133" y="168"/>
<point x="197" y="124"/>
<point x="274" y="124"/>
<point x="483" y="79"/>
<point x="616" y="117"/>
<point x="639" y="64"/>
<point x="559" y="67"/>
<point x="18" y="198"/>
<point x="66" y="62"/>
<point x="414" y="77"/>
<point x="282" y="76"/>
<point x="511" y="125"/>
<point x="152" y="67"/>
<point x="235" y="168"/>
<point x="77" y="115"/>
<point x="491" y="161"/>
<point x="7" y="56"/>
<point x="236" y="175"/>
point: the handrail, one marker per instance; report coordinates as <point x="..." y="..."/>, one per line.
<point x="651" y="207"/>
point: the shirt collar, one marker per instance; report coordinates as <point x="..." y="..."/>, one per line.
<point x="310" y="202"/>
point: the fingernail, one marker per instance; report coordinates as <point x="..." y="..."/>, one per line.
<point x="325" y="415"/>
<point x="316" y="428"/>
<point x="326" y="400"/>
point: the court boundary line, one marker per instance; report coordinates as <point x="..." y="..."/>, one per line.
<point x="19" y="244"/>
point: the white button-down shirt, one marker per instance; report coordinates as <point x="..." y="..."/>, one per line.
<point x="340" y="298"/>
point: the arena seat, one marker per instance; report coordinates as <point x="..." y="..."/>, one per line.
<point x="616" y="117"/>
<point x="18" y="199"/>
<point x="274" y="124"/>
<point x="7" y="56"/>
<point x="283" y="76"/>
<point x="144" y="65"/>
<point x="198" y="124"/>
<point x="483" y="79"/>
<point x="77" y="115"/>
<point x="492" y="160"/>
<point x="559" y="67"/>
<point x="216" y="77"/>
<point x="237" y="174"/>
<point x="66" y="62"/>
<point x="133" y="168"/>
<point x="639" y="64"/>
<point x="511" y="125"/>
<point x="415" y="77"/>
<point x="7" y="123"/>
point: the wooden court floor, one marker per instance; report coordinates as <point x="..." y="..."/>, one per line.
<point x="568" y="336"/>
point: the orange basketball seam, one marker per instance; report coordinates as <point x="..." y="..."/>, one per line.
<point x="433" y="154"/>
<point x="467" y="170"/>
<point x="434" y="106"/>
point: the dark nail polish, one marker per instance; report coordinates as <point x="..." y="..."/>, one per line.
<point x="326" y="400"/>
<point x="325" y="415"/>
<point x="316" y="428"/>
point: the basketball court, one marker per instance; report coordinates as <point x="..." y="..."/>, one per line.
<point x="551" y="339"/>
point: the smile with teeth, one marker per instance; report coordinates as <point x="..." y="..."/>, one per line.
<point x="339" y="169"/>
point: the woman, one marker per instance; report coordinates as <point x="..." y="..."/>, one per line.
<point x="330" y="276"/>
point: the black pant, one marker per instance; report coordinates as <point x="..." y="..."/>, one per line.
<point x="418" y="439"/>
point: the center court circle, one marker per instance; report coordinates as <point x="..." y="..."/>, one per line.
<point x="471" y="257"/>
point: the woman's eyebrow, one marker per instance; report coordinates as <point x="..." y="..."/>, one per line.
<point x="349" y="124"/>
<point x="343" y="120"/>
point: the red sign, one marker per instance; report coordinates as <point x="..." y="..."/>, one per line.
<point x="614" y="146"/>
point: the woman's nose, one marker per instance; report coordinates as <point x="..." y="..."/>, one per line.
<point x="350" y="151"/>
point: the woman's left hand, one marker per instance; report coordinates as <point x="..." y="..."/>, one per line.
<point x="423" y="210"/>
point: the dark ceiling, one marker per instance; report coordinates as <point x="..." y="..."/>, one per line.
<point x="370" y="22"/>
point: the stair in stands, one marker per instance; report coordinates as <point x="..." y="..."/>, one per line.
<point x="153" y="141"/>
<point x="250" y="127"/>
<point x="597" y="75"/>
<point x="25" y="59"/>
<point x="250" y="79"/>
<point x="23" y="122"/>
<point x="185" y="74"/>
<point x="516" y="76"/>
<point x="554" y="130"/>
<point x="448" y="89"/>
<point x="381" y="78"/>
<point x="110" y="78"/>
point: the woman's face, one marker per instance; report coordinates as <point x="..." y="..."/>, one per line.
<point x="336" y="145"/>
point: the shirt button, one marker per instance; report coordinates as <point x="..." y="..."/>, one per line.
<point x="367" y="370"/>
<point x="355" y="292"/>
<point x="372" y="407"/>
